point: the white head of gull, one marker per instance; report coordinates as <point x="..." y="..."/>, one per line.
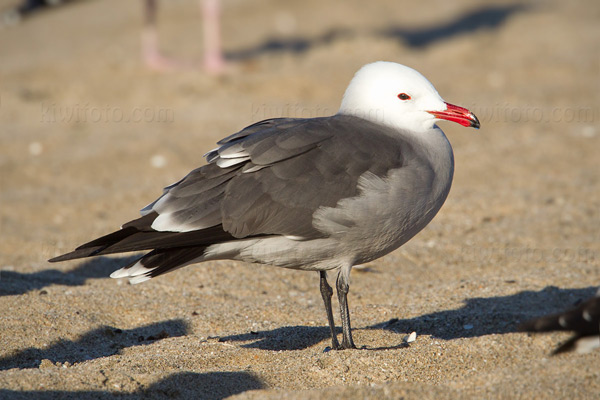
<point x="400" y="97"/>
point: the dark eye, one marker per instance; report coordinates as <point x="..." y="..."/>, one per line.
<point x="403" y="96"/>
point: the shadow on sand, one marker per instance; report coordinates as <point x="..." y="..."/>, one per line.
<point x="14" y="283"/>
<point x="190" y="385"/>
<point x="478" y="317"/>
<point x="101" y="342"/>
<point x="284" y="338"/>
<point x="490" y="17"/>
<point x="491" y="315"/>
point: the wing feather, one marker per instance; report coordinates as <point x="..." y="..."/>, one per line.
<point x="268" y="179"/>
<point x="271" y="177"/>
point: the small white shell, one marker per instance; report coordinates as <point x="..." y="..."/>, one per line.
<point x="410" y="338"/>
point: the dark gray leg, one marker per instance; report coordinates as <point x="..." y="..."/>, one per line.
<point x="342" y="291"/>
<point x="326" y="293"/>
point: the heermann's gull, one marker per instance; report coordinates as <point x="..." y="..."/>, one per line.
<point x="584" y="320"/>
<point x="314" y="194"/>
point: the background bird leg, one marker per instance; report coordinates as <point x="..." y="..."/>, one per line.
<point x="214" y="61"/>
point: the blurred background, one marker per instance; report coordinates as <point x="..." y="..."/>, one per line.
<point x="97" y="115"/>
<point x="91" y="130"/>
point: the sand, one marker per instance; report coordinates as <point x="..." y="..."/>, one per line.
<point x="89" y="136"/>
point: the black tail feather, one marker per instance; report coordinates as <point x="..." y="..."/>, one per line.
<point x="94" y="247"/>
<point x="137" y="235"/>
<point x="88" y="252"/>
<point x="160" y="262"/>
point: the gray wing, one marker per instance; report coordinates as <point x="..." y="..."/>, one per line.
<point x="271" y="177"/>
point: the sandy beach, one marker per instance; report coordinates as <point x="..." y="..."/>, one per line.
<point x="89" y="135"/>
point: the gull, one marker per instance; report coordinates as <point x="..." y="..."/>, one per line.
<point x="313" y="194"/>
